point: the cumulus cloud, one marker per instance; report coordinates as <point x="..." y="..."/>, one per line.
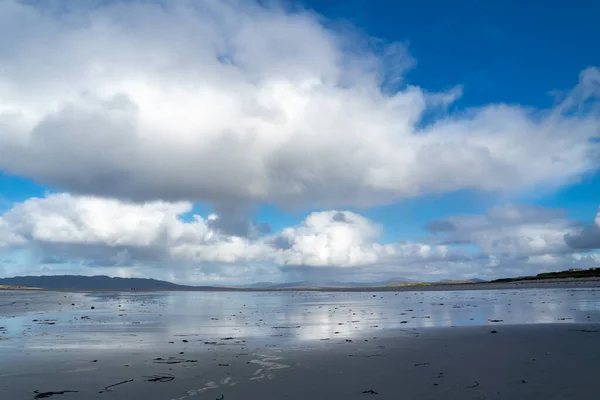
<point x="509" y="231"/>
<point x="65" y="233"/>
<point x="587" y="238"/>
<point x="108" y="230"/>
<point x="345" y="239"/>
<point x="97" y="232"/>
<point x="236" y="103"/>
<point x="515" y="240"/>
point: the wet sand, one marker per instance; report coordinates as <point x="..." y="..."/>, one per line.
<point x="519" y="344"/>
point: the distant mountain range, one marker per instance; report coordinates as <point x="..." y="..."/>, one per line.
<point x="76" y="282"/>
<point x="326" y="284"/>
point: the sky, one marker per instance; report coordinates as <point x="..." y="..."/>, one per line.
<point x="232" y="142"/>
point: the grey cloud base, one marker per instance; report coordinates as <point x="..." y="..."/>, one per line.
<point x="588" y="238"/>
<point x="235" y="104"/>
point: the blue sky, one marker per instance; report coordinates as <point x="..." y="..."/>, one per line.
<point x="510" y="51"/>
<point x="239" y="141"/>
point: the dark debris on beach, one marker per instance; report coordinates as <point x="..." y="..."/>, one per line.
<point x="45" y="395"/>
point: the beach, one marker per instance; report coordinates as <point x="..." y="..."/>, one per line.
<point x="492" y="344"/>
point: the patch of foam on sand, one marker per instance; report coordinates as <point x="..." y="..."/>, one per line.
<point x="208" y="386"/>
<point x="268" y="363"/>
<point x="194" y="392"/>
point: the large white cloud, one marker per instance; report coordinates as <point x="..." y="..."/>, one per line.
<point x="345" y="239"/>
<point x="64" y="233"/>
<point x="90" y="231"/>
<point x="99" y="230"/>
<point x="234" y="103"/>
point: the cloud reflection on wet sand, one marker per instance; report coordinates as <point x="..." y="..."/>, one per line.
<point x="148" y="320"/>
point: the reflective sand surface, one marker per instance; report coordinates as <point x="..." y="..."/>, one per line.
<point x="67" y="320"/>
<point x="489" y="344"/>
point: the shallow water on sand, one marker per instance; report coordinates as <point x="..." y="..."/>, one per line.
<point x="38" y="320"/>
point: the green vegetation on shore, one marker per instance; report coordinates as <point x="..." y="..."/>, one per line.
<point x="570" y="273"/>
<point x="12" y="287"/>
